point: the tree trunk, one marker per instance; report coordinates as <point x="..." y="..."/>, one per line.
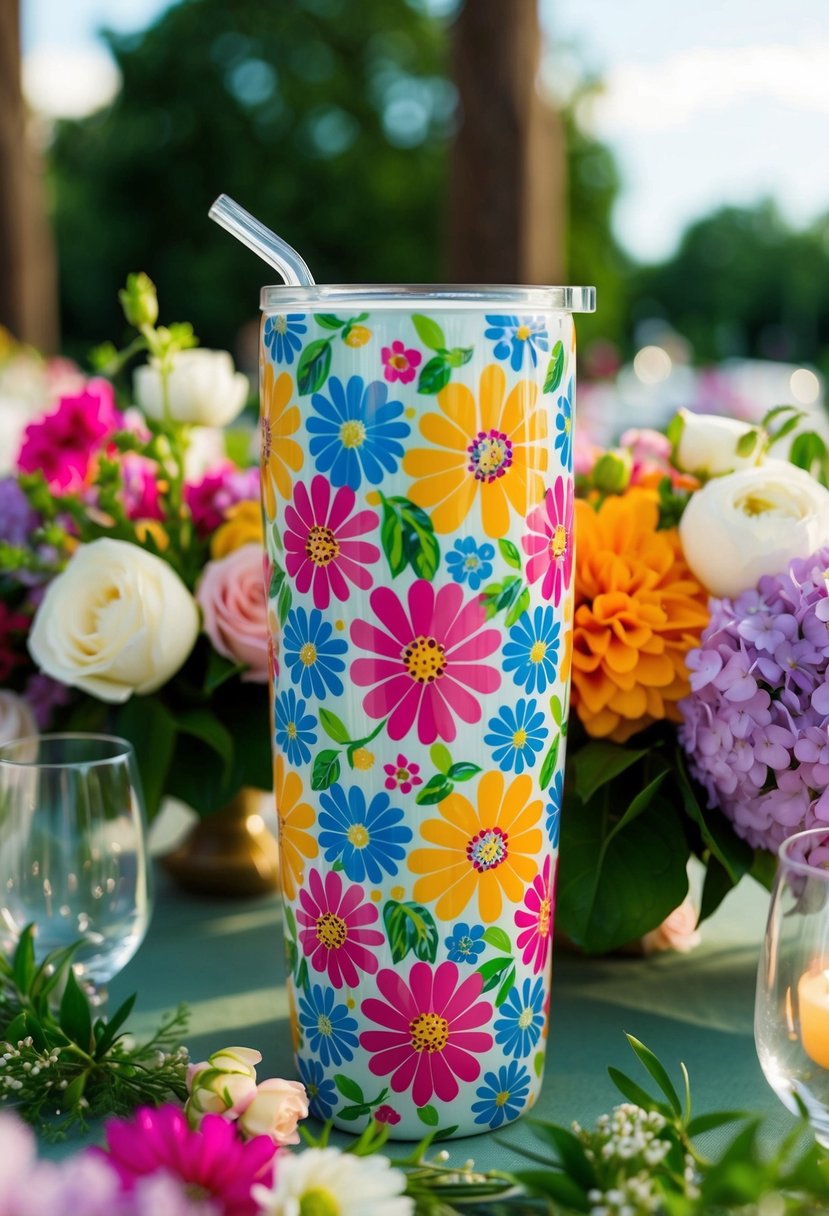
<point x="507" y="179"/>
<point x="28" y="279"/>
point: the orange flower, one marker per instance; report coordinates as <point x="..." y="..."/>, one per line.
<point x="295" y="844"/>
<point x="492" y="449"/>
<point x="639" y="610"/>
<point x="491" y="851"/>
<point x="279" y="420"/>
<point x="242" y="526"/>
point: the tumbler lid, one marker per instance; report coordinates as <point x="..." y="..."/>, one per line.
<point x="279" y="298"/>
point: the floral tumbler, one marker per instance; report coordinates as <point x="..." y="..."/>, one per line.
<point x="417" y="454"/>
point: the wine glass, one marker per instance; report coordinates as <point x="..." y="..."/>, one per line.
<point x="791" y="1022"/>
<point x="73" y="851"/>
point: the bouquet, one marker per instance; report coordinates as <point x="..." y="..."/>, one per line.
<point x="699" y="720"/>
<point x="131" y="585"/>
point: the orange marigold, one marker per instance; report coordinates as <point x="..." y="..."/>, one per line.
<point x="639" y="610"/>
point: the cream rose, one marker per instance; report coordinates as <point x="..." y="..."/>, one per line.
<point x="707" y="444"/>
<point x="203" y="388"/>
<point x="117" y="620"/>
<point x="743" y="525"/>
<point x="274" y="1110"/>
<point x="223" y="1084"/>
<point x="232" y="598"/>
<point x="16" y="717"/>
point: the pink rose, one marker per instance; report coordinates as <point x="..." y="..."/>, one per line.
<point x="274" y="1110"/>
<point x="679" y="932"/>
<point x="232" y="598"/>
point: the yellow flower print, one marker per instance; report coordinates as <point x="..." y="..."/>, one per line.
<point x="491" y="851"/>
<point x="293" y="816"/>
<point x="493" y="449"/>
<point x="279" y="420"/>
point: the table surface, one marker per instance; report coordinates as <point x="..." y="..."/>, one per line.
<point x="224" y="959"/>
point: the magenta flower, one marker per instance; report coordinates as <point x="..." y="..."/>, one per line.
<point x="429" y="1038"/>
<point x="535" y="919"/>
<point x="211" y="1162"/>
<point x="208" y="500"/>
<point x="322" y="546"/>
<point x="399" y="363"/>
<point x="426" y="662"/>
<point x="141" y="500"/>
<point x="402" y="775"/>
<point x="549" y="543"/>
<point x="333" y="928"/>
<point x="62" y="445"/>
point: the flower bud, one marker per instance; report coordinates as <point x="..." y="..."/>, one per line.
<point x="357" y="335"/>
<point x="274" y="1110"/>
<point x="139" y="300"/>
<point x="708" y="444"/>
<point x="611" y="472"/>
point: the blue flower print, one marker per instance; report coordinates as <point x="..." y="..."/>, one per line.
<point x="503" y="1095"/>
<point x="516" y="336"/>
<point x="322" y="1092"/>
<point x="469" y="562"/>
<point x="328" y="1027"/>
<point x="521" y="1020"/>
<point x="356" y="432"/>
<point x="516" y="736"/>
<point x="564" y="427"/>
<point x="531" y="653"/>
<point x="367" y="839"/>
<point x="295" y="734"/>
<point x="465" y="943"/>
<point x="556" y="795"/>
<point x="282" y="336"/>
<point x="312" y="653"/>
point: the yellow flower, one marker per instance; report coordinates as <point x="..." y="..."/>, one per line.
<point x="293" y="816"/>
<point x="363" y="759"/>
<point x="279" y="420"/>
<point x="491" y="851"/>
<point x="639" y="610"/>
<point x="145" y="528"/>
<point x="492" y="449"/>
<point x="242" y="526"/>
<point x="358" y="335"/>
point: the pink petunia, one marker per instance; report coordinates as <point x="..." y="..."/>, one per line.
<point x="222" y="487"/>
<point x="426" y="660"/>
<point x="322" y="546"/>
<point x="62" y="445"/>
<point x="334" y="928"/>
<point x="535" y="919"/>
<point x="549" y="543"/>
<point x="430" y="1037"/>
<point x="399" y="363"/>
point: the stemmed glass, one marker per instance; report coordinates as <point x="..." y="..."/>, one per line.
<point x="73" y="852"/>
<point x="791" y="1023"/>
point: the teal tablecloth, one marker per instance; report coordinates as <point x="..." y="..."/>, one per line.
<point x="224" y="959"/>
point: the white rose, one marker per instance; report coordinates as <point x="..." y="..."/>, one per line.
<point x="203" y="388"/>
<point x="16" y="717"/>
<point x="707" y="444"/>
<point x="740" y="526"/>
<point x="117" y="620"/>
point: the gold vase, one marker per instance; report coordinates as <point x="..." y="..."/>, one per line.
<point x="230" y="852"/>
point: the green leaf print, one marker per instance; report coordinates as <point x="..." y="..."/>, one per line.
<point x="435" y="790"/>
<point x="408" y="538"/>
<point x="496" y="937"/>
<point x="548" y="768"/>
<point x="333" y="726"/>
<point x="326" y="769"/>
<point x="510" y="554"/>
<point x="464" y="770"/>
<point x="429" y="332"/>
<point x="328" y="321"/>
<point x="313" y="367"/>
<point x="428" y="1115"/>
<point x="410" y="928"/>
<point x="458" y="355"/>
<point x="555" y="369"/>
<point x="348" y="1088"/>
<point x="435" y="375"/>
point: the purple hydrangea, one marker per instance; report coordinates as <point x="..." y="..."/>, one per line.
<point x="17" y="519"/>
<point x="756" y="724"/>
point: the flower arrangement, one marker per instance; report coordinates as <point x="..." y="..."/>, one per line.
<point x="700" y="715"/>
<point x="131" y="585"/>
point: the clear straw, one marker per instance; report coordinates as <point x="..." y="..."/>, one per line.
<point x="269" y="247"/>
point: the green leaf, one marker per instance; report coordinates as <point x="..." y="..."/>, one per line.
<point x="429" y="332"/>
<point x="313" y="367"/>
<point x="492" y="971"/>
<point x="748" y="442"/>
<point x="391" y="538"/>
<point x="538" y="1063"/>
<point x="74" y="1091"/>
<point x="328" y="321"/>
<point x="509" y="553"/>
<point x="290" y="921"/>
<point x="333" y="726"/>
<point x="446" y="1132"/>
<point x="422" y="552"/>
<point x="458" y="355"/>
<point x="716" y="885"/>
<point x="548" y="768"/>
<point x="464" y="770"/>
<point x="348" y="1088"/>
<point x="440" y="757"/>
<point x="634" y="1092"/>
<point x="732" y="853"/>
<point x="219" y="670"/>
<point x="557" y="710"/>
<point x="326" y="769"/>
<point x="569" y="1151"/>
<point x="712" y="1119"/>
<point x="410" y="928"/>
<point x="23" y="962"/>
<point x="435" y="375"/>
<point x="428" y="1115"/>
<point x="113" y="1025"/>
<point x="435" y="790"/>
<point x="280" y="591"/>
<point x="595" y="764"/>
<point x="151" y="730"/>
<point x="494" y="936"/>
<point x="302" y="974"/>
<point x="354" y="1112"/>
<point x="518" y="608"/>
<point x="204" y="725"/>
<point x="75" y="1015"/>
<point x="807" y="451"/>
<point x="408" y="538"/>
<point x="555" y="369"/>
<point x="507" y="984"/>
<point x="657" y="1070"/>
<point x="561" y="1189"/>
<point x="500" y="596"/>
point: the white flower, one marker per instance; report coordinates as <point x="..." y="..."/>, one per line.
<point x="707" y="444"/>
<point x="326" y="1182"/>
<point x="117" y="620"/>
<point x="743" y="525"/>
<point x="16" y="717"/>
<point x="203" y="388"/>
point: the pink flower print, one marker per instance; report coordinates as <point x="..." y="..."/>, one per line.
<point x="399" y="363"/>
<point x="402" y="775"/>
<point x="429" y="1038"/>
<point x="322" y="546"/>
<point x="333" y="928"/>
<point x="426" y="660"/>
<point x="549" y="543"/>
<point x="535" y="920"/>
<point x="386" y="1114"/>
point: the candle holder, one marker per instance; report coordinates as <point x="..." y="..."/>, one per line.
<point x="791" y="1024"/>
